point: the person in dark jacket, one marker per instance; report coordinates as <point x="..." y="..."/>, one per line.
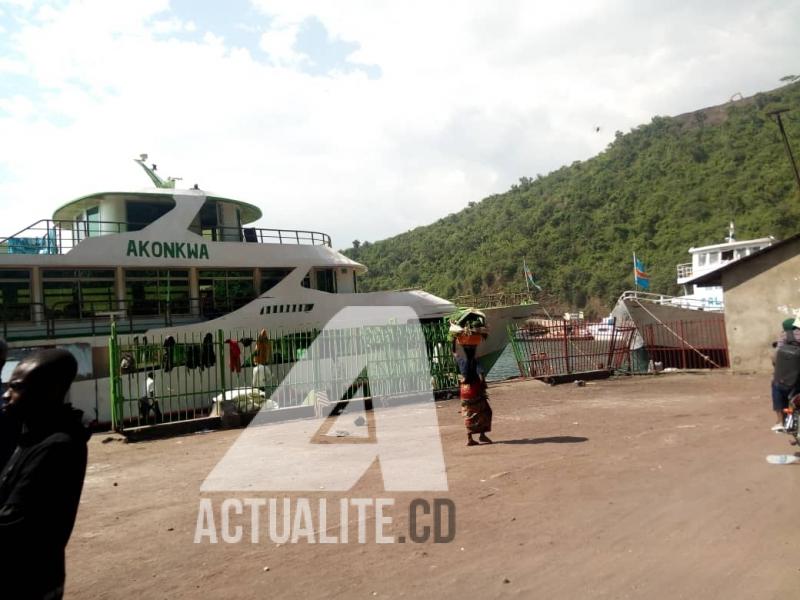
<point x="41" y="485"/>
<point x="9" y="427"/>
<point x="3" y="358"/>
<point x="783" y="390"/>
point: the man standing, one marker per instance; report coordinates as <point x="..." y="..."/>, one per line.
<point x="41" y="485"/>
<point x="9" y="427"/>
<point x="3" y="357"/>
<point x="786" y="362"/>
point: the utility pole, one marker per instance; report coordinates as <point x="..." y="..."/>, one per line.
<point x="777" y="115"/>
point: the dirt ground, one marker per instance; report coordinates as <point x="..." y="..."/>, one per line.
<point x="650" y="487"/>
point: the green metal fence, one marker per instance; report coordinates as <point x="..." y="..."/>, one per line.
<point x="187" y="376"/>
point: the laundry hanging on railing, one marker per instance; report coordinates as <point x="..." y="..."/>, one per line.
<point x="263" y="348"/>
<point x="235" y="359"/>
<point x="194" y="358"/>
<point x="209" y="359"/>
<point x="168" y="360"/>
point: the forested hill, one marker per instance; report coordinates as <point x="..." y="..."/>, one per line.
<point x="660" y="189"/>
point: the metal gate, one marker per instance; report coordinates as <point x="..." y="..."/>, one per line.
<point x="556" y="348"/>
<point x="701" y="344"/>
<point x="186" y="376"/>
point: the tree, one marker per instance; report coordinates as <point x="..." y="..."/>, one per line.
<point x="356" y="244"/>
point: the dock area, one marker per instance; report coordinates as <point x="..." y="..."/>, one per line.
<point x="635" y="487"/>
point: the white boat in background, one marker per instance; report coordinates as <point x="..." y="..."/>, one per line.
<point x="604" y="330"/>
<point x="657" y="314"/>
<point x="166" y="261"/>
<point x="705" y="259"/>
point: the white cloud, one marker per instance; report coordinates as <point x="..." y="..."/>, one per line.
<point x="172" y="25"/>
<point x="279" y="44"/>
<point x="472" y="96"/>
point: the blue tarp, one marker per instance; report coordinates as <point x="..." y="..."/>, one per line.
<point x="25" y="245"/>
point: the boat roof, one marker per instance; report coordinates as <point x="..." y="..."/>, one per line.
<point x="733" y="244"/>
<point x="71" y="209"/>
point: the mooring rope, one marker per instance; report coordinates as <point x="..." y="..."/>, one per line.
<point x="668" y="328"/>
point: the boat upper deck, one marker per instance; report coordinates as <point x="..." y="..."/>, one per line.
<point x="50" y="236"/>
<point x="212" y="217"/>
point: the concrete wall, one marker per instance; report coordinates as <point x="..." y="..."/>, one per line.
<point x="759" y="294"/>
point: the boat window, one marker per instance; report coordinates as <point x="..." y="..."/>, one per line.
<point x="229" y="288"/>
<point x="141" y="213"/>
<point x="80" y="229"/>
<point x="306" y="283"/>
<point x="727" y="255"/>
<point x="701" y="260"/>
<point x="93" y="221"/>
<point x="152" y="291"/>
<point x="713" y="258"/>
<point x="326" y="280"/>
<point x="273" y="276"/>
<point x="77" y="293"/>
<point x="308" y="307"/>
<point x="15" y="295"/>
<point x="207" y="221"/>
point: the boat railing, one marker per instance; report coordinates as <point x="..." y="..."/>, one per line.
<point x="677" y="301"/>
<point x="685" y="270"/>
<point x="650" y="297"/>
<point x="64" y="319"/>
<point x="495" y="300"/>
<point x="258" y="235"/>
<point x="50" y="236"/>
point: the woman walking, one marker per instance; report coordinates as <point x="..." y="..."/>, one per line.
<point x="474" y="401"/>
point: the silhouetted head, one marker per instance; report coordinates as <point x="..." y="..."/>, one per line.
<point x="39" y="383"/>
<point x="3" y="353"/>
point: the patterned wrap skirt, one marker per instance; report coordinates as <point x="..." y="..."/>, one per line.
<point x="475" y="408"/>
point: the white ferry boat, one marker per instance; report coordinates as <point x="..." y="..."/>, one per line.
<point x="164" y="260"/>
<point x="704" y="260"/>
<point x="698" y="303"/>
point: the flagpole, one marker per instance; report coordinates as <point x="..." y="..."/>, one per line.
<point x="635" y="281"/>
<point x="525" y="273"/>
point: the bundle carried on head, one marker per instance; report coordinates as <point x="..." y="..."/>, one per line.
<point x="468" y="327"/>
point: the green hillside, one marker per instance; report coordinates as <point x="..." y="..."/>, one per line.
<point x="665" y="186"/>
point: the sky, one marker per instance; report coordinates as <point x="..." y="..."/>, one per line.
<point x="359" y="118"/>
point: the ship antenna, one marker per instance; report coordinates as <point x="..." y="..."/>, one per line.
<point x="151" y="173"/>
<point x="731" y="232"/>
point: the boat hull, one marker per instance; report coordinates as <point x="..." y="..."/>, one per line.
<point x="677" y="337"/>
<point x="497" y="321"/>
